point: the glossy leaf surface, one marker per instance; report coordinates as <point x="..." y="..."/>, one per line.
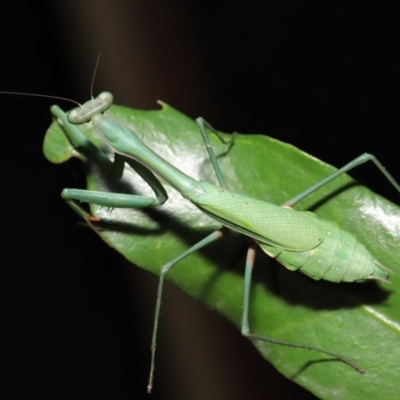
<point x="360" y="320"/>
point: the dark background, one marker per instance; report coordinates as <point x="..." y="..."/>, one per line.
<point x="76" y="319"/>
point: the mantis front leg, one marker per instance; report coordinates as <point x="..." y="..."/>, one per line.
<point x="115" y="169"/>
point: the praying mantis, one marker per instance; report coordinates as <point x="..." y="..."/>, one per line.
<point x="100" y="160"/>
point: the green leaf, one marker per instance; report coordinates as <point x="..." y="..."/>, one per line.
<point x="360" y="321"/>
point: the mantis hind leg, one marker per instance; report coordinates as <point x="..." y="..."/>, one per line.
<point x="245" y="327"/>
<point x="203" y="126"/>
<point x="352" y="164"/>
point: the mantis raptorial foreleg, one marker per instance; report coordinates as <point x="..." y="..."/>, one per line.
<point x="112" y="200"/>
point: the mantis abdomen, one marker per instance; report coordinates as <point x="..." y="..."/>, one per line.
<point x="339" y="258"/>
<point x="320" y="249"/>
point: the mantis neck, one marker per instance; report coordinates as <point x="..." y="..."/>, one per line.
<point x="125" y="142"/>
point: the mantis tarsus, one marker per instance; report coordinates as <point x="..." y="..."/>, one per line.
<point x="273" y="240"/>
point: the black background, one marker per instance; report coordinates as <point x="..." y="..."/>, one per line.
<point x="76" y="319"/>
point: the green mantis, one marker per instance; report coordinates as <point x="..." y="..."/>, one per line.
<point x="279" y="238"/>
